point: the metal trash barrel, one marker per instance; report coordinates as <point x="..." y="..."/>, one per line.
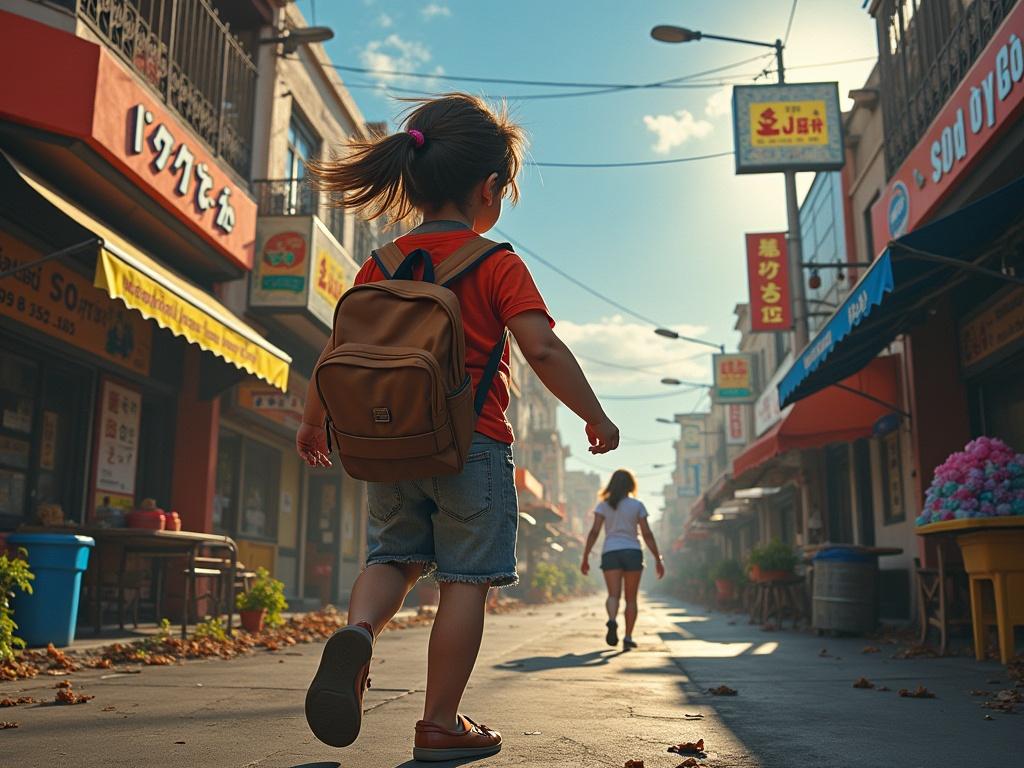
<point x="845" y="590"/>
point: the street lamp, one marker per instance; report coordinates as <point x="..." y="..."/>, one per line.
<point x="291" y="39"/>
<point x="668" y="333"/>
<point x="666" y="33"/>
<point x="680" y="383"/>
<point x="662" y="420"/>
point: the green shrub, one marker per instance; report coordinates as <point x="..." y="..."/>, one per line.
<point x="774" y="556"/>
<point x="267" y="592"/>
<point x="14" y="573"/>
<point x="548" y="580"/>
<point x="210" y="628"/>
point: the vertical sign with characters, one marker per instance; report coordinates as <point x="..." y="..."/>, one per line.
<point x="768" y="277"/>
<point x="117" y="445"/>
<point x="735" y="424"/>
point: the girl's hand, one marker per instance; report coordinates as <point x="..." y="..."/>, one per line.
<point x="603" y="436"/>
<point x="660" y="568"/>
<point x="585" y="566"/>
<point x="311" y="444"/>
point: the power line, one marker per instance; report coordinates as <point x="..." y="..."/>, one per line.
<point x="655" y="396"/>
<point x="789" y="24"/>
<point x="640" y="368"/>
<point x="521" y="248"/>
<point x="633" y="164"/>
<point x="667" y="83"/>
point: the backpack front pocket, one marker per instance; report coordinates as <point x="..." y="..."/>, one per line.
<point x="384" y="402"/>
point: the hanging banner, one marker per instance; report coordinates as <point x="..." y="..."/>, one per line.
<point x="691" y="444"/>
<point x="735" y="424"/>
<point x="734" y="378"/>
<point x="788" y="127"/>
<point x="771" y="309"/>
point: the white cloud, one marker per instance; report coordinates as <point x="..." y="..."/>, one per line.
<point x="433" y="10"/>
<point x="644" y="357"/>
<point x="719" y="103"/>
<point x="675" y="129"/>
<point x="384" y="21"/>
<point x="396" y="54"/>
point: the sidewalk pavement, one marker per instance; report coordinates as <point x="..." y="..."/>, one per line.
<point x="560" y="696"/>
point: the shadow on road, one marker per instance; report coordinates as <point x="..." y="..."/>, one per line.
<point x="318" y="765"/>
<point x="445" y="764"/>
<point x="566" y="660"/>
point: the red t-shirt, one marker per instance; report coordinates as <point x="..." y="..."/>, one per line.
<point x="490" y="295"/>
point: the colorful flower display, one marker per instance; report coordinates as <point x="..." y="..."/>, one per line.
<point x="986" y="479"/>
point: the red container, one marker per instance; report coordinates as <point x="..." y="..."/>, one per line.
<point x="756" y="574"/>
<point x="726" y="590"/>
<point x="171" y="521"/>
<point x="153" y="519"/>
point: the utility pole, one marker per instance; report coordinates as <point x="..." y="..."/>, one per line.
<point x="801" y="334"/>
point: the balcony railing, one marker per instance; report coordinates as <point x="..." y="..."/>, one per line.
<point x="295" y="197"/>
<point x="184" y="50"/>
<point x="925" y="49"/>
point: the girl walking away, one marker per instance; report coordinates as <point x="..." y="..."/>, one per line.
<point x="624" y="519"/>
<point x="452" y="164"/>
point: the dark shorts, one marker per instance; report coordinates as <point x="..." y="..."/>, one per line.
<point x="623" y="560"/>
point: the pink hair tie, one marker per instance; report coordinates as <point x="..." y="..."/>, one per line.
<point x="417" y="137"/>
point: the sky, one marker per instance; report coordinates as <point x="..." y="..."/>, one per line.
<point x="664" y="241"/>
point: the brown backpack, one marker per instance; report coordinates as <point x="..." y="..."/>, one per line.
<point x="400" y="404"/>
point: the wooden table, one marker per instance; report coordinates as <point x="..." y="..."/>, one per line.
<point x="152" y="543"/>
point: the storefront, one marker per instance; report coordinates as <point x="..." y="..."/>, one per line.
<point x="115" y="345"/>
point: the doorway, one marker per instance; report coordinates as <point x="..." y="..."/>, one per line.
<point x="323" y="538"/>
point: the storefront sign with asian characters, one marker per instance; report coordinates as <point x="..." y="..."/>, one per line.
<point x="691" y="443"/>
<point x="768" y="277"/>
<point x="299" y="264"/>
<point x="787" y="127"/>
<point x="735" y="424"/>
<point x="283" y="408"/>
<point x="734" y="378"/>
<point x="117" y="443"/>
<point x="994" y="331"/>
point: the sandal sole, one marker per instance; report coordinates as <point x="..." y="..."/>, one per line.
<point x="612" y="638"/>
<point x="455" y="753"/>
<point x="334" y="708"/>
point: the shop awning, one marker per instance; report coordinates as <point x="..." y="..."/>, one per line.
<point x="128" y="274"/>
<point x="896" y="291"/>
<point x="839" y="413"/>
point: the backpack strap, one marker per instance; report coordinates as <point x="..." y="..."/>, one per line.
<point x="490" y="371"/>
<point x="388" y="258"/>
<point x="469" y="256"/>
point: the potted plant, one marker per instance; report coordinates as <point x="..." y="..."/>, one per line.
<point x="727" y="575"/>
<point x="14" y="573"/>
<point x="774" y="561"/>
<point x="264" y="602"/>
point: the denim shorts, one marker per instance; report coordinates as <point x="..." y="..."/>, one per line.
<point x="623" y="560"/>
<point x="461" y="527"/>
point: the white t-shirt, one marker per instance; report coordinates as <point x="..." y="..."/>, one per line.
<point x="622" y="524"/>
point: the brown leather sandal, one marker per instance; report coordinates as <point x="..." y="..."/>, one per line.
<point x="435" y="743"/>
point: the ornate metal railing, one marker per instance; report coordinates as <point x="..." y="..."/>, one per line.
<point x="925" y="49"/>
<point x="184" y="50"/>
<point x="295" y="197"/>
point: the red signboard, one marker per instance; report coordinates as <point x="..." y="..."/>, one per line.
<point x="86" y="93"/>
<point x="988" y="100"/>
<point x="768" y="277"/>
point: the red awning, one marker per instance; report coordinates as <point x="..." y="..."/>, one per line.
<point x="833" y="415"/>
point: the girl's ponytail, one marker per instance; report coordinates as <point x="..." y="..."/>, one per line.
<point x="447" y="146"/>
<point x="372" y="178"/>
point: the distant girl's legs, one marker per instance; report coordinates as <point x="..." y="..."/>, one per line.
<point x="454" y="644"/>
<point x="613" y="580"/>
<point x="632" y="579"/>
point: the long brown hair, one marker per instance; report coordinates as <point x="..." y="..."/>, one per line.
<point x="621" y="485"/>
<point x="463" y="142"/>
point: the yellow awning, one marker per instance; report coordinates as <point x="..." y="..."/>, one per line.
<point x="128" y="274"/>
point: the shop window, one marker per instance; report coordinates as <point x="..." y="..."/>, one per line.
<point x="18" y="382"/>
<point x="893" y="510"/>
<point x="245" y="503"/>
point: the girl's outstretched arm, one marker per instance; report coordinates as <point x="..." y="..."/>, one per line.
<point x="562" y="375"/>
<point x="648" y="534"/>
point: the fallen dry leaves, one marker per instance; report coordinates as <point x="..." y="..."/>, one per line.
<point x="17" y="702"/>
<point x="918" y="693"/>
<point x="4" y="725"/>
<point x="690" y="762"/>
<point x="871" y="649"/>
<point x="1005" y="701"/>
<point x="863" y="682"/>
<point x="67" y="695"/>
<point x="688" y="747"/>
<point x="722" y="690"/>
<point x="634" y="764"/>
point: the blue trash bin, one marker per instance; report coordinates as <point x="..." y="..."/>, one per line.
<point x="57" y="560"/>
